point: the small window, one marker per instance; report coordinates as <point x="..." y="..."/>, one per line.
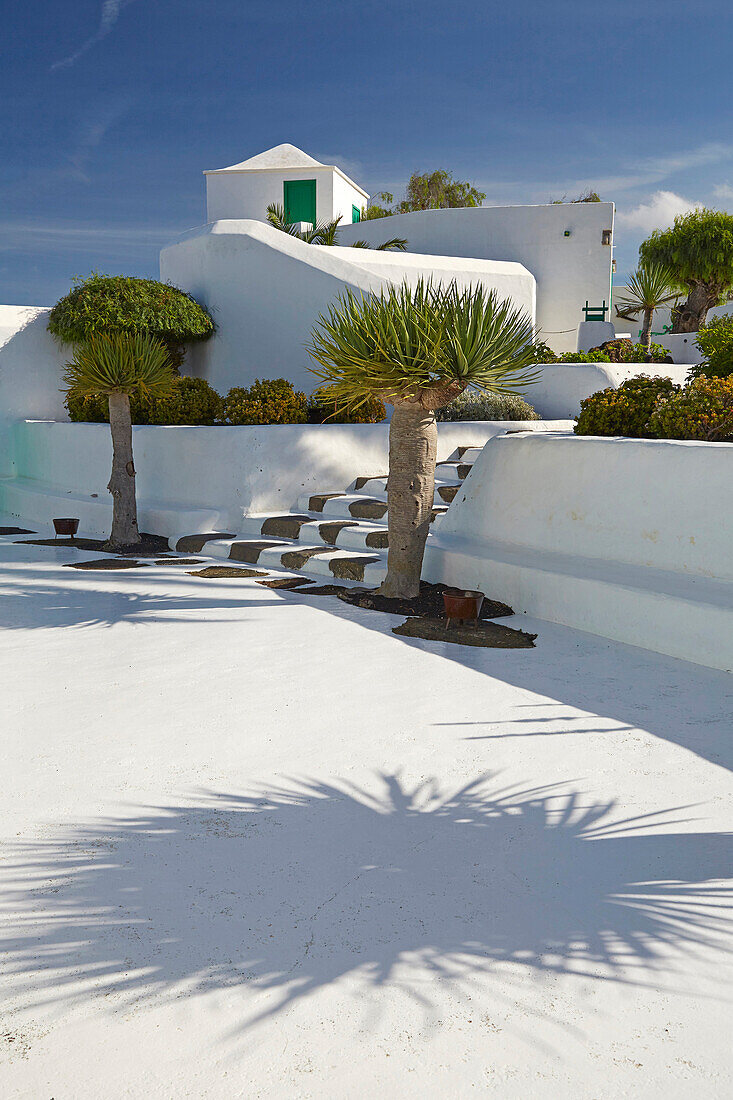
<point x="355" y="214"/>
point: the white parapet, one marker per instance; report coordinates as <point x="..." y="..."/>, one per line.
<point x="630" y="539"/>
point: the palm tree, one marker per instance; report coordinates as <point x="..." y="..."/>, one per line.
<point x="416" y="349"/>
<point x="325" y="233"/>
<point x="651" y="286"/>
<point x="119" y="365"/>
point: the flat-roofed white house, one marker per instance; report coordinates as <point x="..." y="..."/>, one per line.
<point x="308" y="190"/>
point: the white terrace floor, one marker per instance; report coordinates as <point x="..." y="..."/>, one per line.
<point x="258" y="846"/>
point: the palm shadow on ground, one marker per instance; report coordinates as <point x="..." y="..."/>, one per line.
<point x="286" y="892"/>
<point x="30" y="602"/>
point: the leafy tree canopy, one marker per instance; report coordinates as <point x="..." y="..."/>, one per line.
<point x="698" y="248"/>
<point x="107" y="304"/>
<point x="435" y="190"/>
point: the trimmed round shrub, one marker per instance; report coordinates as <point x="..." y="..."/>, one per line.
<point x="702" y="410"/>
<point x="715" y="341"/>
<point x="119" y="303"/>
<point x="324" y="409"/>
<point x="193" y="401"/>
<point x="471" y="405"/>
<point x="626" y="410"/>
<point x="267" y="401"/>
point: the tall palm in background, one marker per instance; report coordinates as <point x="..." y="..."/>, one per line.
<point x="417" y="348"/>
<point x="651" y="286"/>
<point x="119" y="365"/>
<point x="325" y="233"/>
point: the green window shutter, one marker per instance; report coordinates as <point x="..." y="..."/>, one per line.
<point x="355" y="214"/>
<point x="300" y="200"/>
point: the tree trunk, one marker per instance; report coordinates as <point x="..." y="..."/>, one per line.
<point x="691" y="314"/>
<point x="122" y="482"/>
<point x="646" y="331"/>
<point x="413" y="446"/>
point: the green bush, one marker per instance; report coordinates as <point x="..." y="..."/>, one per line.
<point x="324" y="409"/>
<point x="702" y="410"/>
<point x="471" y="405"/>
<point x="626" y="410"/>
<point x="715" y="341"/>
<point x="193" y="401"/>
<point x="615" y="351"/>
<point x="267" y="401"/>
<point x="118" y="303"/>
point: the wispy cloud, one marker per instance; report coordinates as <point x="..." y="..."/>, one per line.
<point x="658" y="213"/>
<point x="723" y="192"/>
<point x="92" y="131"/>
<point x="44" y="237"/>
<point x="110" y="14"/>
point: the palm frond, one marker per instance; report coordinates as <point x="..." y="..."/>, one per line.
<point x="394" y="244"/>
<point x="325" y="233"/>
<point x="276" y="217"/>
<point x="124" y="362"/>
<point x="651" y="286"/>
<point x="409" y="339"/>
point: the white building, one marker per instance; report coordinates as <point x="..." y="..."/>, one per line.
<point x="308" y="190"/>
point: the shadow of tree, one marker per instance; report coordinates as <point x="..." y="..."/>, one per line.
<point x="294" y="889"/>
<point x="29" y="604"/>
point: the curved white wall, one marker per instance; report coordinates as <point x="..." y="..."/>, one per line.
<point x="201" y="478"/>
<point x="562" y="386"/>
<point x="626" y="538"/>
<point x="31" y="363"/>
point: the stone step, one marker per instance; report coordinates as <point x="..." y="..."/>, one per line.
<point x="376" y="488"/>
<point x="315" y="529"/>
<point x="469" y="454"/>
<point x="317" y="560"/>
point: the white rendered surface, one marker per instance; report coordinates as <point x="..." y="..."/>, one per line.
<point x="245" y="190"/>
<point x="266" y="290"/>
<point x="569" y="270"/>
<point x="562" y="386"/>
<point x="626" y="538"/>
<point x="30" y="373"/>
<point x="256" y="845"/>
<point x="593" y="333"/>
<point x="198" y="478"/>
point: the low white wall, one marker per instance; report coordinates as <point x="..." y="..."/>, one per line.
<point x="562" y="386"/>
<point x="201" y="478"/>
<point x="31" y="363"/>
<point x="630" y="539"/>
<point x="569" y="270"/>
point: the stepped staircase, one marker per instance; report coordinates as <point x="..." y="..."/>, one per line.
<point x="332" y="534"/>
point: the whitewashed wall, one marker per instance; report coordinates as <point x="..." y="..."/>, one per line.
<point x="233" y="194"/>
<point x="266" y="290"/>
<point x="568" y="270"/>
<point x="625" y="538"/>
<point x="197" y="478"/>
<point x="562" y="386"/>
<point x="31" y="363"/>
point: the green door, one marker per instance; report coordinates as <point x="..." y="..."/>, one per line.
<point x="355" y="214"/>
<point x="300" y="200"/>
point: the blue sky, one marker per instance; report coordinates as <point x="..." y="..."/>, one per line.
<point x="111" y="109"/>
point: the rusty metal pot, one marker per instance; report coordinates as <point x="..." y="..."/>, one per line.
<point x="67" y="527"/>
<point x="461" y="604"/>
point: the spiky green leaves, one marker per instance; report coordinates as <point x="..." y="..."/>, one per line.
<point x="652" y="285"/>
<point x="414" y="343"/>
<point x="129" y="363"/>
